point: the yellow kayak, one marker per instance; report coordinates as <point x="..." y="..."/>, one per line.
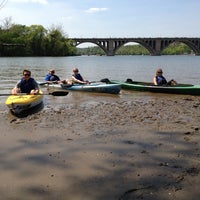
<point x="23" y="102"/>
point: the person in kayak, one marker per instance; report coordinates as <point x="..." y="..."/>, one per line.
<point x="77" y="78"/>
<point x="27" y="84"/>
<point x="51" y="77"/>
<point x="160" y="80"/>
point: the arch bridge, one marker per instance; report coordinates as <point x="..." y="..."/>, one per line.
<point x="154" y="45"/>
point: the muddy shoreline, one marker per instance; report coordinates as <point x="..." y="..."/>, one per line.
<point x="127" y="147"/>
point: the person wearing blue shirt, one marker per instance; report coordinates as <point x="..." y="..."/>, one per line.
<point x="27" y="84"/>
<point x="160" y="80"/>
<point x="51" y="77"/>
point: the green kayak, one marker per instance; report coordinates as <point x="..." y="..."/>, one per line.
<point x="150" y="87"/>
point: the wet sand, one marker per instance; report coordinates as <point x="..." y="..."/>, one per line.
<point x="112" y="147"/>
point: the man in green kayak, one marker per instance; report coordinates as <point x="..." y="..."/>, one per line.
<point x="27" y="84"/>
<point x="160" y="80"/>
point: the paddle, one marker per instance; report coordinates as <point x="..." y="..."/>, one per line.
<point x="47" y="83"/>
<point x="54" y="93"/>
<point x="105" y="80"/>
<point x="59" y="93"/>
<point x="43" y="83"/>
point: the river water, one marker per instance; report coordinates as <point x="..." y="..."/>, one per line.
<point x="184" y="69"/>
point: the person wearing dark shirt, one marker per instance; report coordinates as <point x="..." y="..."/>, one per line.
<point x="160" y="80"/>
<point x="77" y="78"/>
<point x="27" y="84"/>
<point x="51" y="77"/>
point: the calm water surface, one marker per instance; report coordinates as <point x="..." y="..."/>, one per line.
<point x="185" y="69"/>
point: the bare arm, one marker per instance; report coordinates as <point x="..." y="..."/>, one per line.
<point x="16" y="89"/>
<point x="155" y="80"/>
<point x="75" y="80"/>
<point x="36" y="89"/>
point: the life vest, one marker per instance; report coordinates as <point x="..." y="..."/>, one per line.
<point x="78" y="76"/>
<point x="50" y="77"/>
<point x="161" y="80"/>
<point x="26" y="86"/>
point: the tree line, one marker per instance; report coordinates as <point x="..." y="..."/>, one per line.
<point x="34" y="40"/>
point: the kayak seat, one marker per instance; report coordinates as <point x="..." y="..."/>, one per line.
<point x="105" y="80"/>
<point x="129" y="80"/>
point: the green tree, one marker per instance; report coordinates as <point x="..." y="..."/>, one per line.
<point x="13" y="39"/>
<point x="177" y="48"/>
<point x="57" y="44"/>
<point x="35" y="40"/>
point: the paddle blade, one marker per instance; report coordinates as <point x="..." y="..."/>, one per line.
<point x="59" y="93"/>
<point x="43" y="83"/>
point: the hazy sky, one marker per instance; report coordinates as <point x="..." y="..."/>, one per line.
<point x="109" y="18"/>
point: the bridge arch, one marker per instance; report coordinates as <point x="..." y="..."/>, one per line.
<point x="193" y="44"/>
<point x="140" y="50"/>
<point x="154" y="45"/>
<point x="102" y="46"/>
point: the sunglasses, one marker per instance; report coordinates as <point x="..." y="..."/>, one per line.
<point x="26" y="74"/>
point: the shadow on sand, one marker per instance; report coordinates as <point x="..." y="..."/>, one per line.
<point x="30" y="111"/>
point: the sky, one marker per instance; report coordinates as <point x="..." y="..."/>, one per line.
<point x="108" y="18"/>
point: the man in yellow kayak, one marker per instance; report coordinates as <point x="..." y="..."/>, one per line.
<point x="27" y="84"/>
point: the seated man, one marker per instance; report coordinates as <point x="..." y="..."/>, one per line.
<point x="51" y="77"/>
<point x="160" y="80"/>
<point x="26" y="84"/>
<point x="77" y="78"/>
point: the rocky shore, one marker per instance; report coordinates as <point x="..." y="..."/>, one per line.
<point x="93" y="147"/>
